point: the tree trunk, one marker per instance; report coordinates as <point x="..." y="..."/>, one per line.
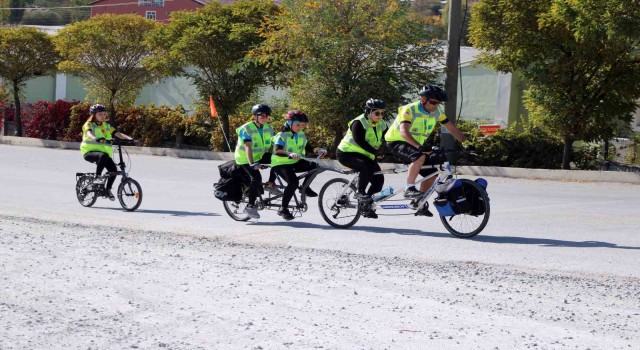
<point x="112" y="108"/>
<point x="179" y="138"/>
<point x="5" y="130"/>
<point x="337" y="137"/>
<point x="16" y="101"/>
<point x="566" y="154"/>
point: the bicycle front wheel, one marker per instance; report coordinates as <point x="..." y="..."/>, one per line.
<point x="130" y="194"/>
<point x="338" y="203"/>
<point x="236" y="210"/>
<point x="469" y="225"/>
<point x="86" y="196"/>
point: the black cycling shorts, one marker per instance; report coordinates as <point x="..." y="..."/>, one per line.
<point x="409" y="154"/>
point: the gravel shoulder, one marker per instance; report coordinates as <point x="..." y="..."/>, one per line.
<point x="65" y="285"/>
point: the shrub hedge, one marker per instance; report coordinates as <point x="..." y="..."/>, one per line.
<point x="170" y="127"/>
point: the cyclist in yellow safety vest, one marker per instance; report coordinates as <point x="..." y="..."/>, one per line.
<point x="254" y="142"/>
<point x="408" y="133"/>
<point x="290" y="146"/>
<point x="96" y="144"/>
<point x="358" y="149"/>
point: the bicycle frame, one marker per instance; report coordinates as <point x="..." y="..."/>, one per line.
<point x="307" y="178"/>
<point x="442" y="174"/>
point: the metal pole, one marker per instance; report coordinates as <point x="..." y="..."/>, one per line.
<point x="453" y="57"/>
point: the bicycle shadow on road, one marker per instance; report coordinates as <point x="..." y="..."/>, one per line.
<point x="547" y="242"/>
<point x="168" y="212"/>
<point x="372" y="229"/>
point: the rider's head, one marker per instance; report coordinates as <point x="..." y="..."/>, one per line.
<point x="295" y="120"/>
<point x="374" y="109"/>
<point x="261" y="113"/>
<point x="98" y="112"/>
<point x="431" y="96"/>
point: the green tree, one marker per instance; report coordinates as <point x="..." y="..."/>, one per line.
<point x="17" y="10"/>
<point x="24" y="54"/>
<point x="335" y="55"/>
<point x="578" y="57"/>
<point x="209" y="47"/>
<point x="4" y="14"/>
<point x="108" y="51"/>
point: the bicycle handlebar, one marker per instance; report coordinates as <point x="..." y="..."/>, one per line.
<point x="122" y="142"/>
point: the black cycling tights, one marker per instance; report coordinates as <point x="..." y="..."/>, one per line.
<point x="288" y="173"/>
<point x="102" y="161"/>
<point x="366" y="167"/>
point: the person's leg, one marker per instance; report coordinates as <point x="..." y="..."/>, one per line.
<point x="109" y="164"/>
<point x="413" y="155"/>
<point x="266" y="159"/>
<point x="302" y="166"/>
<point x="288" y="174"/>
<point x="256" y="183"/>
<point x="355" y="161"/>
<point x="94" y="157"/>
<point x="377" y="180"/>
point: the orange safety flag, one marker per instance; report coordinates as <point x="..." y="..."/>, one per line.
<point x="214" y="112"/>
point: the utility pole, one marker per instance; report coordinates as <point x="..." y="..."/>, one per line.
<point x="453" y="57"/>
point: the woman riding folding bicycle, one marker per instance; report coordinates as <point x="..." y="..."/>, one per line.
<point x="96" y="144"/>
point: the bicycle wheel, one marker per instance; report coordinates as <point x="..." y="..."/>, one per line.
<point x="130" y="194"/>
<point x="236" y="209"/>
<point x="468" y="225"/>
<point x="338" y="209"/>
<point x="86" y="196"/>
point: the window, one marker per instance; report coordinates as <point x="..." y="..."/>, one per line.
<point x="156" y="3"/>
<point x="150" y="15"/>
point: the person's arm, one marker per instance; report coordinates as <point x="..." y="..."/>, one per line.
<point x="120" y="135"/>
<point x="454" y="131"/>
<point x="279" y="148"/>
<point x="405" y="132"/>
<point x="359" y="136"/>
<point x="249" y="151"/>
<point x="91" y="135"/>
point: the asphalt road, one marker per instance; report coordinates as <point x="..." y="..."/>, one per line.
<point x="556" y="268"/>
<point x="564" y="226"/>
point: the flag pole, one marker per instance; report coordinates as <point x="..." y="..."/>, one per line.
<point x="214" y="115"/>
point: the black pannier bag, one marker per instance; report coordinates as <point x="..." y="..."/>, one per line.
<point x="475" y="198"/>
<point x="232" y="180"/>
<point x="228" y="189"/>
<point x="459" y="198"/>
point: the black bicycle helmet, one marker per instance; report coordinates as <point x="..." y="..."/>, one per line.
<point x="296" y="116"/>
<point x="373" y="104"/>
<point x="97" y="108"/>
<point x="433" y="92"/>
<point x="261" y="108"/>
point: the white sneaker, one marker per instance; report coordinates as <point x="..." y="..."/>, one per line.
<point x="252" y="212"/>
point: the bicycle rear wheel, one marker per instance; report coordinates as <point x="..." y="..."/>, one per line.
<point x="468" y="225"/>
<point x="236" y="210"/>
<point x="338" y="203"/>
<point x="86" y="196"/>
<point x="130" y="194"/>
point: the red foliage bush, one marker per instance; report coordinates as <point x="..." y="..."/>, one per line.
<point x="8" y="114"/>
<point x="49" y="120"/>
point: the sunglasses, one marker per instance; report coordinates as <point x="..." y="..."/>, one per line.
<point x="378" y="114"/>
<point x="433" y="102"/>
